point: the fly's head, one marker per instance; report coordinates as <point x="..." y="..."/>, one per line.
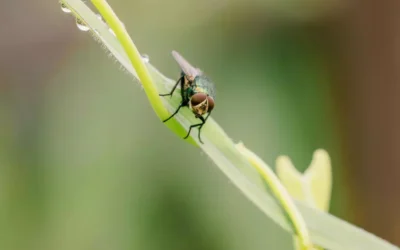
<point x="201" y="103"/>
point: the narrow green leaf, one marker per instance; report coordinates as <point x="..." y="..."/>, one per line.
<point x="302" y="240"/>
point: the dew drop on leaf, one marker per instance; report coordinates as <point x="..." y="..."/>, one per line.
<point x="64" y="8"/>
<point x="81" y="25"/>
<point x="145" y="58"/>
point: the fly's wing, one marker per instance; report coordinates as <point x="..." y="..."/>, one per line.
<point x="186" y="67"/>
<point x="211" y="88"/>
<point x="205" y="83"/>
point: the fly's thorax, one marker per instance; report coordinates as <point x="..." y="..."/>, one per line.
<point x="197" y="89"/>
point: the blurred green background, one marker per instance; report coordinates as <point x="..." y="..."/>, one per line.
<point x="86" y="164"/>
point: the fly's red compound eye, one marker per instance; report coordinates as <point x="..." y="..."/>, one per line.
<point x="198" y="98"/>
<point x="210" y="103"/>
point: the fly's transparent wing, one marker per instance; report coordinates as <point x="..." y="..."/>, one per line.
<point x="210" y="88"/>
<point x="212" y="92"/>
<point x="206" y="85"/>
<point x="186" y="67"/>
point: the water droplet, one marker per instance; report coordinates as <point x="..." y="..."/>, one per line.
<point x="99" y="17"/>
<point x="82" y="25"/>
<point x="64" y="8"/>
<point x="145" y="58"/>
<point x="111" y="31"/>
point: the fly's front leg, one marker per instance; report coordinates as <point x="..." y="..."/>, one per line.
<point x="200" y="125"/>
<point x="173" y="89"/>
<point x="176" y="111"/>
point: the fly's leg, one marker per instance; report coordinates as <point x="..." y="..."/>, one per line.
<point x="200" y="125"/>
<point x="196" y="125"/>
<point x="176" y="111"/>
<point x="173" y="89"/>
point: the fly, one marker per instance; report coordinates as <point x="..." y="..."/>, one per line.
<point x="197" y="92"/>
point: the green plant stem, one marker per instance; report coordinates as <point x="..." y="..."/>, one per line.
<point x="134" y="56"/>
<point x="136" y="59"/>
<point x="281" y="194"/>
